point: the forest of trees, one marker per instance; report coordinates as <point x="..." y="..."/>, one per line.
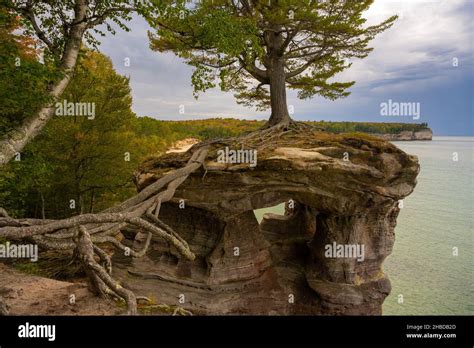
<point x="76" y="158"/>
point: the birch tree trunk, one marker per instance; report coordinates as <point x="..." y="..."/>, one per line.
<point x="14" y="141"/>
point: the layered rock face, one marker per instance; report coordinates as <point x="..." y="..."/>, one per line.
<point x="324" y="256"/>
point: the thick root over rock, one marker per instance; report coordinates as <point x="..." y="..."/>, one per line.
<point x="84" y="233"/>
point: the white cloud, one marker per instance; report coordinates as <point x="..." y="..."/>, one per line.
<point x="422" y="42"/>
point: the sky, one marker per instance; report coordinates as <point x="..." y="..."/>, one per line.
<point x="426" y="58"/>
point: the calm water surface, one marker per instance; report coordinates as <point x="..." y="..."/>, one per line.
<point x="437" y="217"/>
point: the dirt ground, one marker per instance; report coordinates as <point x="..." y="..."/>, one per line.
<point x="24" y="294"/>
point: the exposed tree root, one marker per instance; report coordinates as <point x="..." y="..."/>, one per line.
<point x="84" y="233"/>
<point x="264" y="137"/>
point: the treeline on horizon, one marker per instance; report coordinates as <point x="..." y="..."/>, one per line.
<point x="227" y="127"/>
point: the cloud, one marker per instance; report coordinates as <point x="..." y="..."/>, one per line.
<point x="421" y="45"/>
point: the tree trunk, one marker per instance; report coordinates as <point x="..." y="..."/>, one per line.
<point x="91" y="207"/>
<point x="280" y="113"/>
<point x="43" y="214"/>
<point x="16" y="140"/>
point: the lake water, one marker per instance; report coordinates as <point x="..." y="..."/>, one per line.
<point x="436" y="221"/>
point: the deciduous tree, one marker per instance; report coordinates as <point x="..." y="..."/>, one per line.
<point x="62" y="27"/>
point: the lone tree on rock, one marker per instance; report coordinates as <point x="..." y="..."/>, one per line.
<point x="257" y="48"/>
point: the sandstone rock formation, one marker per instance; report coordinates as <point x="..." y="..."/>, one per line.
<point x="345" y="189"/>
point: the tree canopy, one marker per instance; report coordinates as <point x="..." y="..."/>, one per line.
<point x="258" y="48"/>
<point x="89" y="161"/>
<point x="23" y="79"/>
<point x="60" y="29"/>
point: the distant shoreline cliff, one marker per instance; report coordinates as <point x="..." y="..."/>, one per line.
<point x="424" y="134"/>
<point x="386" y="131"/>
